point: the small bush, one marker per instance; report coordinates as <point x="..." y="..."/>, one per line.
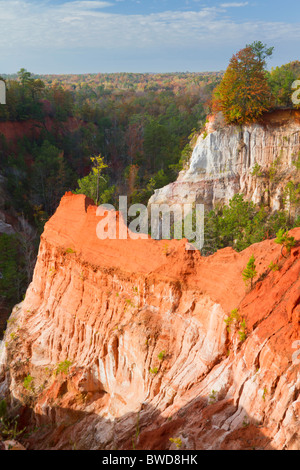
<point x="273" y="266"/>
<point x="9" y="428"/>
<point x="242" y="331"/>
<point x="233" y="317"/>
<point x="177" y="441"/>
<point x="70" y="251"/>
<point x="28" y="382"/>
<point x="63" y="367"/>
<point x="161" y="355"/>
<point x="212" y="397"/>
<point x="296" y="162"/>
<point x="265" y="392"/>
<point x="256" y="170"/>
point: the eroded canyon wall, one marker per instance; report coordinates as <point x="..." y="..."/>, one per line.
<point x="225" y="156"/>
<point x="122" y="344"/>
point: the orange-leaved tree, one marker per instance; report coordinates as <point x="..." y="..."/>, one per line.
<point x="244" y="93"/>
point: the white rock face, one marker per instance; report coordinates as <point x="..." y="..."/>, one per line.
<point x="6" y="228"/>
<point x="223" y="160"/>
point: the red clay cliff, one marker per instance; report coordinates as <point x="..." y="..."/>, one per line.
<point x="126" y="345"/>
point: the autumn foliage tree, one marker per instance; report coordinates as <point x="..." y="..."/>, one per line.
<point x="244" y="93"/>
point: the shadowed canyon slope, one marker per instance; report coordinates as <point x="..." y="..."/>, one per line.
<point x="125" y="343"/>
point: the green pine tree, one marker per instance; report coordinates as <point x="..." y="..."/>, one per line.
<point x="250" y="272"/>
<point x="283" y="238"/>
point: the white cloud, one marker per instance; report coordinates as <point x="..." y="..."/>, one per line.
<point x="86" y="4"/>
<point x="234" y="5"/>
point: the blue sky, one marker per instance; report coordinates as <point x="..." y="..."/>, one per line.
<point x="91" y="36"/>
